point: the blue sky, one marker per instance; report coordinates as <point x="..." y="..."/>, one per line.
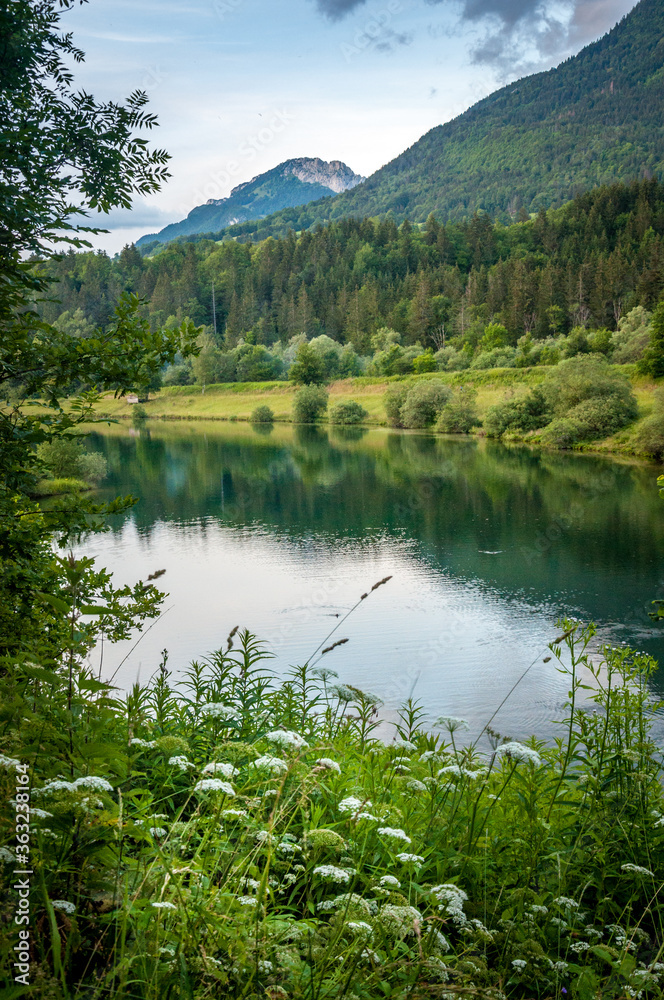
<point x="240" y="85"/>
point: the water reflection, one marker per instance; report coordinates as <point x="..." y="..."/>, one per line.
<point x="488" y="545"/>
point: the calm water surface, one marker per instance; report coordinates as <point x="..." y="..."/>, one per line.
<point x="281" y="531"/>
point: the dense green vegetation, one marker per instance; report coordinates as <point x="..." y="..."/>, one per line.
<point x="536" y="143"/>
<point x="241" y="837"/>
<point x="465" y="289"/>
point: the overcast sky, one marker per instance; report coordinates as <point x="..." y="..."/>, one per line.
<point x="241" y="85"/>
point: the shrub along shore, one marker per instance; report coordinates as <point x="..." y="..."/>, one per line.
<point x="239" y="400"/>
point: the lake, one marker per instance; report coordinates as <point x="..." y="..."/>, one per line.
<point x="281" y="530"/>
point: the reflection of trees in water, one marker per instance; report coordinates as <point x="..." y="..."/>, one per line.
<point x="554" y="514"/>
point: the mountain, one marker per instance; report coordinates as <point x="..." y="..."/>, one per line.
<point x="595" y="119"/>
<point x="292" y="183"/>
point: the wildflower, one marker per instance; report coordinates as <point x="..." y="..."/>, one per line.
<point x="332" y="874"/>
<point x="6" y="855"/>
<point x="9" y="762"/>
<point x="519" y="964"/>
<point x="164" y="906"/>
<point x="143" y="744"/>
<point x="286" y="739"/>
<point x="452" y="769"/>
<point x="579" y="947"/>
<point x="270" y="793"/>
<point x="353" y="904"/>
<point x="286" y="848"/>
<point x="330" y="765"/>
<point x="247" y="901"/>
<point x="415" y="786"/>
<point x="452" y="899"/>
<point x="326" y="906"/>
<point x="342" y="692"/>
<point x="55" y="785"/>
<point x="289" y="879"/>
<point x="39" y="813"/>
<point x="214" y="785"/>
<point x="559" y="967"/>
<point x="389" y="880"/>
<point x="440" y="940"/>
<point x="637" y="870"/>
<point x="371" y="956"/>
<point x="324" y="673"/>
<point x="217" y="710"/>
<point x="93" y="783"/>
<point x="399" y="920"/>
<point x="351" y="804"/>
<point x="410" y="859"/>
<point x="233" y="813"/>
<point x="325" y="838"/>
<point x="158" y="831"/>
<point x="518" y="753"/>
<point x="182" y="763"/>
<point x="220" y="767"/>
<point x="368" y="816"/>
<point x="265" y="967"/>
<point x="396" y="761"/>
<point x="430" y="755"/>
<point x="263" y="837"/>
<point x="402" y="744"/>
<point x="394" y="833"/>
<point x="566" y="903"/>
<point x="452" y="723"/>
<point x="274" y="764"/>
<point x="543" y="910"/>
<point x="64" y="906"/>
<point x="249" y="883"/>
<point x="360" y="927"/>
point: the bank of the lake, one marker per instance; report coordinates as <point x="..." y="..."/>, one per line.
<point x="237" y="400"/>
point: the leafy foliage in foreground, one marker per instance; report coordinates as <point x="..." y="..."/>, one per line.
<point x="241" y="837"/>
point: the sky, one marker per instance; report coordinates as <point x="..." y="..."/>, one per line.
<point x="241" y="85"/>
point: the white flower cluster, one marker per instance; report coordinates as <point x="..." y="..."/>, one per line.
<point x="452" y="723"/>
<point x="366" y="815"/>
<point x="342" y="692"/>
<point x="518" y="753"/>
<point x="89" y="782"/>
<point x="399" y="920"/>
<point x="360" y="928"/>
<point x="182" y="763"/>
<point x="402" y="744"/>
<point x="394" y="833"/>
<point x="329" y="764"/>
<point x="64" y="906"/>
<point x="410" y="859"/>
<point x="566" y="903"/>
<point x="9" y="763"/>
<point x="163" y="905"/>
<point x="158" y="832"/>
<point x="247" y="901"/>
<point x="390" y="880"/>
<point x="6" y="855"/>
<point x="273" y="764"/>
<point x="233" y="813"/>
<point x="579" y="947"/>
<point x="332" y="874"/>
<point x="637" y="870"/>
<point x="430" y="755"/>
<point x="351" y="805"/>
<point x="220" y="767"/>
<point x="286" y="739"/>
<point x="217" y="710"/>
<point x="452" y="899"/>
<point x="285" y="848"/>
<point x="519" y="964"/>
<point x="249" y="883"/>
<point x="214" y="785"/>
<point x="415" y="786"/>
<point x="143" y="744"/>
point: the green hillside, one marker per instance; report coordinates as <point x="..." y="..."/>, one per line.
<point x="595" y="119"/>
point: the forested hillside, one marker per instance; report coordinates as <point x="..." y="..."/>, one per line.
<point x="585" y="264"/>
<point x="595" y="119"/>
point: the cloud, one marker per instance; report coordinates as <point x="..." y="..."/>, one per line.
<point x="336" y="9"/>
<point x="513" y="37"/>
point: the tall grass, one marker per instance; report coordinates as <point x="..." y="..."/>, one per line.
<point x="234" y="835"/>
